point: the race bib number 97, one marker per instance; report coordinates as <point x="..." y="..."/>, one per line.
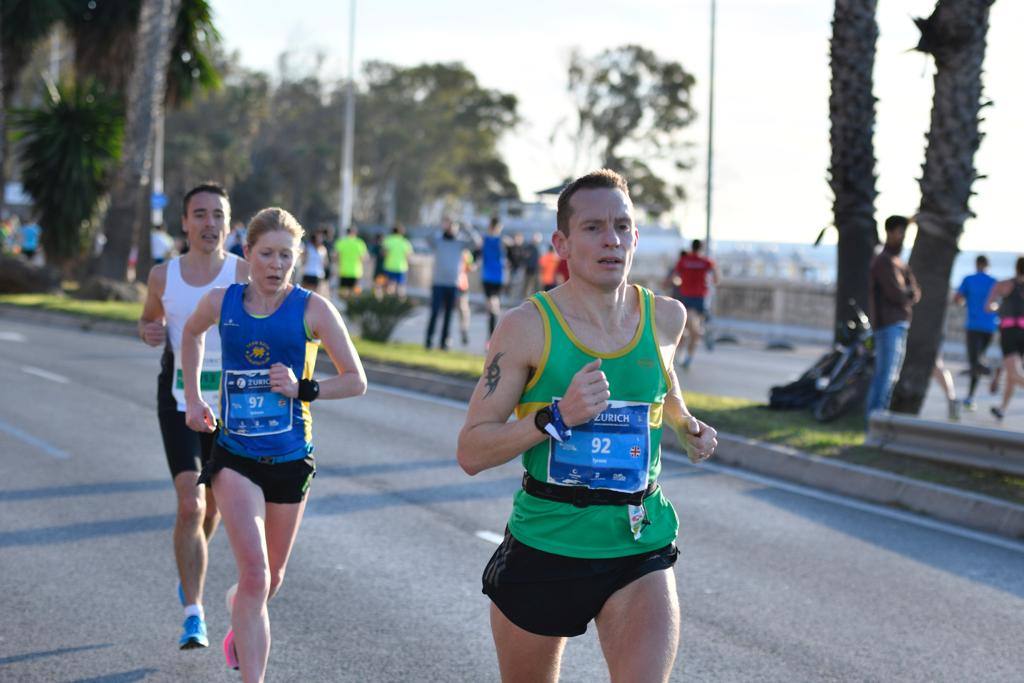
<point x="612" y="451"/>
<point x="252" y="409"/>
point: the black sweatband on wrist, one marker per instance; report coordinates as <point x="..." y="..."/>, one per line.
<point x="309" y="390"/>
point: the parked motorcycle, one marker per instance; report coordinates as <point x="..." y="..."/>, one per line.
<point x="838" y="381"/>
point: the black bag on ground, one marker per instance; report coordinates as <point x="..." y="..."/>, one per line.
<point x="801" y="393"/>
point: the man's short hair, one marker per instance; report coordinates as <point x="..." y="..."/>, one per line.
<point x="1019" y="267"/>
<point x="896" y="223"/>
<point x="696" y="246"/>
<point x="211" y="187"/>
<point x="604" y="178"/>
<point x="981" y="262"/>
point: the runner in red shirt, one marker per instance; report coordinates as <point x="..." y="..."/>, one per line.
<point x="690" y="285"/>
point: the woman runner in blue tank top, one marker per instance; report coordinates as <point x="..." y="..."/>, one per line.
<point x="262" y="463"/>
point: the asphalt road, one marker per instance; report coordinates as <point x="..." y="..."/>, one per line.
<point x="776" y="583"/>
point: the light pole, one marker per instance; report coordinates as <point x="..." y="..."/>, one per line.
<point x="711" y="131"/>
<point x="345" y="205"/>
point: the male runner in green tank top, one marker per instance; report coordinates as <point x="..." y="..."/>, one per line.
<point x="588" y="370"/>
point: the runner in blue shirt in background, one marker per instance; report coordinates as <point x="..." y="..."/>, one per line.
<point x="492" y="273"/>
<point x="981" y="324"/>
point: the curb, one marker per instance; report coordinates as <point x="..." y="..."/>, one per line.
<point x="967" y="509"/>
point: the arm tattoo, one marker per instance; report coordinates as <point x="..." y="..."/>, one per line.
<point x="493" y="375"/>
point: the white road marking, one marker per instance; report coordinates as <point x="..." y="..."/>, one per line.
<point x="490" y="536"/>
<point x="24" y="436"/>
<point x="836" y="499"/>
<point x="45" y="374"/>
<point x="11" y="336"/>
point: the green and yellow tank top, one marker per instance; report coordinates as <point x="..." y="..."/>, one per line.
<point x="638" y="383"/>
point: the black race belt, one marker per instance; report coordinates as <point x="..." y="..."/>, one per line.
<point x="581" y="496"/>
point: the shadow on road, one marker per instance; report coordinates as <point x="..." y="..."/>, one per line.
<point x="78" y="532"/>
<point x="125" y="677"/>
<point x="339" y="504"/>
<point x="28" y="656"/>
<point x="381" y="468"/>
<point x="97" y="489"/>
<point x="963" y="557"/>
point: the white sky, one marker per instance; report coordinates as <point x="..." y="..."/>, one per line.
<point x="771" y="99"/>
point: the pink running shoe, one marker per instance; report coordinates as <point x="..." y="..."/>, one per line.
<point x="230" y="656"/>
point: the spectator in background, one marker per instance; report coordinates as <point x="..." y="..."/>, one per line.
<point x="462" y="294"/>
<point x="395" y="250"/>
<point x="376" y="250"/>
<point x="236" y="239"/>
<point x="6" y="235"/>
<point x="515" y="252"/>
<point x="351" y="252"/>
<point x="28" y="239"/>
<point x="531" y="265"/>
<point x="448" y="247"/>
<point x="492" y="273"/>
<point x="1010" y="294"/>
<point x="549" y="269"/>
<point x="690" y="278"/>
<point x="314" y="264"/>
<point x="892" y="293"/>
<point x="161" y="245"/>
<point x="981" y="323"/>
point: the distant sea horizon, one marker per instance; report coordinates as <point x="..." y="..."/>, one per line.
<point x="801" y="261"/>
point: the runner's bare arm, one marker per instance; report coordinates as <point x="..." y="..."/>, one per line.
<point x="327" y="325"/>
<point x="1000" y="290"/>
<point x="198" y="414"/>
<point x="152" y="324"/>
<point x="487" y="438"/>
<point x="699" y="438"/>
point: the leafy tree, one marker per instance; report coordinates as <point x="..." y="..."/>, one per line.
<point x="630" y="107"/>
<point x="852" y="171"/>
<point x="69" y="147"/>
<point x="23" y="23"/>
<point x="428" y="132"/>
<point x="146" y="91"/>
<point x="103" y="34"/>
<point x="213" y="136"/>
<point x="954" y="35"/>
<point x="295" y="156"/>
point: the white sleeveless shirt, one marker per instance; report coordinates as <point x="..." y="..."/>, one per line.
<point x="180" y="300"/>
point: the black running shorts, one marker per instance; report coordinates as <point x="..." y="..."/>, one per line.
<point x="285" y="482"/>
<point x="186" y="450"/>
<point x="492" y="289"/>
<point x="1011" y="341"/>
<point x="554" y="595"/>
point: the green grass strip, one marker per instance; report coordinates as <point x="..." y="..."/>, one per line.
<point x="108" y="310"/>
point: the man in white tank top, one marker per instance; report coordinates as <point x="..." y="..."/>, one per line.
<point x="175" y="288"/>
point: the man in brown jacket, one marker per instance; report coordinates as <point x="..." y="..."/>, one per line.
<point x="892" y="292"/>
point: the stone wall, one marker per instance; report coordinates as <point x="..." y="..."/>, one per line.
<point x="805" y="304"/>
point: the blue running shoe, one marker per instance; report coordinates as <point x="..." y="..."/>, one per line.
<point x="181" y="594"/>
<point x="194" y="635"/>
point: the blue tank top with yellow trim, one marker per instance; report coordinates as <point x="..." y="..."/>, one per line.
<point x="255" y="421"/>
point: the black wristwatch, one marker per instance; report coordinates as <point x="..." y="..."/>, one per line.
<point x="542" y="418"/>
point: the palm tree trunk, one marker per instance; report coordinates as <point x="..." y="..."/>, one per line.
<point x="852" y="171"/>
<point x="128" y="215"/>
<point x="955" y="36"/>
